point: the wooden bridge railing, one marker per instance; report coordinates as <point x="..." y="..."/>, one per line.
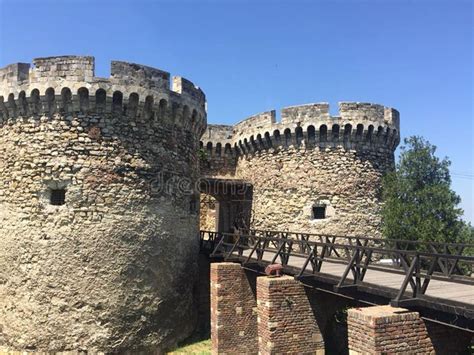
<point x="419" y="262"/>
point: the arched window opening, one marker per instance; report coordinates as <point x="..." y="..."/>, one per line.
<point x="132" y="107"/>
<point x="194" y="119"/>
<point x="11" y="99"/>
<point x="246" y="144"/>
<point x="148" y="108"/>
<point x="253" y="143"/>
<point x="299" y="135"/>
<point x="209" y="148"/>
<point x="237" y="149"/>
<point x="117" y="102"/>
<point x="335" y="133"/>
<point x="175" y="112"/>
<point x="347" y="133"/>
<point x="268" y="140"/>
<point x="277" y="136"/>
<point x="198" y="126"/>
<point x="12" y="104"/>
<point x="3" y="111"/>
<point x="35" y="101"/>
<point x="50" y="100"/>
<point x="359" y="131"/>
<point x="100" y="99"/>
<point x="66" y="100"/>
<point x="83" y="99"/>
<point x="162" y="109"/>
<point x="311" y="134"/>
<point x="387" y="135"/>
<point x="394" y="138"/>
<point x="227" y="149"/>
<point x="323" y="133"/>
<point x="23" y="103"/>
<point x="287" y="133"/>
<point x="186" y="116"/>
<point x="241" y="147"/>
<point x="370" y="133"/>
<point x="379" y="134"/>
<point x="218" y="149"/>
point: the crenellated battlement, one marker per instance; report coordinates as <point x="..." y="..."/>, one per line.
<point x="357" y="126"/>
<point x="67" y="84"/>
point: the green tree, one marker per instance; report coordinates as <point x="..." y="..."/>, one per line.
<point x="418" y="201"/>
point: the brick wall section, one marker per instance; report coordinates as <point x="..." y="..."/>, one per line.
<point x="233" y="310"/>
<point x="391" y="330"/>
<point x="286" y="322"/>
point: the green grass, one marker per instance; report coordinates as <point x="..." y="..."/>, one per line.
<point x="201" y="347"/>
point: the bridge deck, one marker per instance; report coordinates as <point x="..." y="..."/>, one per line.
<point x="437" y="289"/>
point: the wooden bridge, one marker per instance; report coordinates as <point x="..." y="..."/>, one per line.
<point x="431" y="278"/>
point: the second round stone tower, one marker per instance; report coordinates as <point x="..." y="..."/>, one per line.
<point x="310" y="172"/>
<point x="98" y="216"/>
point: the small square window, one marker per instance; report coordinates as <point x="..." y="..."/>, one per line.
<point x="319" y="212"/>
<point x="58" y="197"/>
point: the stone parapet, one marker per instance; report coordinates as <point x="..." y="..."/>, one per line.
<point x="68" y="84"/>
<point x="359" y="126"/>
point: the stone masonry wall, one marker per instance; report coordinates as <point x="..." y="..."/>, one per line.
<point x="391" y="330"/>
<point x="217" y="157"/>
<point x="93" y="274"/>
<point x="233" y="310"/>
<point x="288" y="182"/>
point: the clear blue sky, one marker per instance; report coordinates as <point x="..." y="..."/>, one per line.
<point x="252" y="56"/>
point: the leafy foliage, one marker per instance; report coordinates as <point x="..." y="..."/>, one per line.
<point x="418" y="201"/>
<point x="202" y="154"/>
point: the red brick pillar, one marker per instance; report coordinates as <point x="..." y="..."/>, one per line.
<point x="233" y="310"/>
<point x="391" y="330"/>
<point x="286" y="322"/>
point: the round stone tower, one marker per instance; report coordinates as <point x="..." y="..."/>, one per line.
<point x="98" y="216"/>
<point x="311" y="172"/>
